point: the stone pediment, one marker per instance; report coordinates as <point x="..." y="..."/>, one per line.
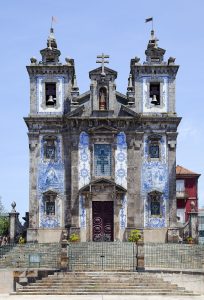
<point x="126" y="111"/>
<point x="83" y="97"/>
<point x="155" y="193"/>
<point x="50" y="191"/>
<point x="102" y="183"/>
<point x="107" y="71"/>
<point x="76" y="112"/>
<point x="121" y="97"/>
<point x="103" y="129"/>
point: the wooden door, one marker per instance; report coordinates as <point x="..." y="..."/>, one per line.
<point x="102" y="221"/>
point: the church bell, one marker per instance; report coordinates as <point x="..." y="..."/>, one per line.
<point x="50" y="100"/>
<point x="154" y="100"/>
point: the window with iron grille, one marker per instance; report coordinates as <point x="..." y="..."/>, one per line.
<point x="50" y="148"/>
<point x="49" y="200"/>
<point x="155" y="204"/>
<point x="154" y="150"/>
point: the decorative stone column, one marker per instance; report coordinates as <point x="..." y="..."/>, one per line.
<point x="193" y="222"/>
<point x="13" y="220"/>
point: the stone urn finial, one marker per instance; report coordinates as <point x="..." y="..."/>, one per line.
<point x="192" y="205"/>
<point x="137" y="59"/>
<point x="33" y="60"/>
<point x="13" y="205"/>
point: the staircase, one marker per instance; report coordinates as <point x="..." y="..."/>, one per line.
<point x="107" y="283"/>
<point x="30" y="255"/>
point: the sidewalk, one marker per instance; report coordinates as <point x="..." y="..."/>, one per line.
<point x="99" y="297"/>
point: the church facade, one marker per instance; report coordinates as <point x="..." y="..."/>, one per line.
<point x="101" y="163"/>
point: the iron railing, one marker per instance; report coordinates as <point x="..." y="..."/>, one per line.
<point x="174" y="256"/>
<point x="102" y="256"/>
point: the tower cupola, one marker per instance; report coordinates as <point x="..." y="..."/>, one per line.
<point x="154" y="54"/>
<point x="51" y="54"/>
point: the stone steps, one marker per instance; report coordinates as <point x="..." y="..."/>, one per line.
<point x="113" y="283"/>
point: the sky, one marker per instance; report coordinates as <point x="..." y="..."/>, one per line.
<point x="85" y="29"/>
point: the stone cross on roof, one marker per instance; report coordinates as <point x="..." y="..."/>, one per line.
<point x="102" y="61"/>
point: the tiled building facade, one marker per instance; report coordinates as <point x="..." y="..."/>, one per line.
<point x="101" y="163"/>
<point x="186" y="192"/>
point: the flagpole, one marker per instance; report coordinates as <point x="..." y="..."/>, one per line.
<point x="152" y="24"/>
<point x="51" y="21"/>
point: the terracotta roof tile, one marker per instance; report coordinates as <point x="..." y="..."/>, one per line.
<point x="183" y="171"/>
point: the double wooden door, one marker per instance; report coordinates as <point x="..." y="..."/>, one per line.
<point x="102" y="221"/>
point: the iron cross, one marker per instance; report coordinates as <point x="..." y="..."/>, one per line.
<point x="102" y="160"/>
<point x="102" y="61"/>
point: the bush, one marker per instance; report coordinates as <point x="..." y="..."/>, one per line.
<point x="4" y="225"/>
<point x="74" y="237"/>
<point x="21" y="240"/>
<point x="135" y="236"/>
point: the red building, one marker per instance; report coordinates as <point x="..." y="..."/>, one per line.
<point x="186" y="192"/>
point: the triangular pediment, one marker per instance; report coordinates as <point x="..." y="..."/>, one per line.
<point x="103" y="129"/>
<point x="76" y="112"/>
<point x="50" y="192"/>
<point x="107" y="71"/>
<point x="103" y="182"/>
<point x="83" y="97"/>
<point x="155" y="193"/>
<point x="126" y="111"/>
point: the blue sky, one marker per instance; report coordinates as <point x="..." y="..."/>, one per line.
<point x="86" y="28"/>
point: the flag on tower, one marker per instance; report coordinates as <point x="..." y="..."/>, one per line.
<point x="148" y="20"/>
<point x="54" y="19"/>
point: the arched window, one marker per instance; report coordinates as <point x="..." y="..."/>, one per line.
<point x="102" y="98"/>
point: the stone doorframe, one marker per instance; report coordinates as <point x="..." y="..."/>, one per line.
<point x="102" y="190"/>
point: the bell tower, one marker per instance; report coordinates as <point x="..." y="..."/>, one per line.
<point x="152" y="94"/>
<point x="154" y="80"/>
<point x="51" y="85"/>
<point x="50" y="80"/>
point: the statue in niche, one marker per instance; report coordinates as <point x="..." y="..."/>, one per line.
<point x="102" y="99"/>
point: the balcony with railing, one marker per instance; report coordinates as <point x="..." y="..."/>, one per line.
<point x="181" y="195"/>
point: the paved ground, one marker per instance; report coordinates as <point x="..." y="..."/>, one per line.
<point x="99" y="297"/>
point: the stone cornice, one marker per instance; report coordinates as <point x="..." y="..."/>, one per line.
<point x="162" y="118"/>
<point x="149" y="69"/>
<point x="130" y="125"/>
<point x="50" y="69"/>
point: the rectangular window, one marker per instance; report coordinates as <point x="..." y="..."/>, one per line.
<point x="154" y="150"/>
<point x="50" y="207"/>
<point x="180" y="186"/>
<point x="154" y="92"/>
<point x="102" y="160"/>
<point x="50" y="94"/>
<point x="201" y="233"/>
<point x="181" y="215"/>
<point x="155" y="208"/>
<point x="201" y="220"/>
<point x="155" y="204"/>
<point x="50" y="152"/>
<point x="49" y="148"/>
